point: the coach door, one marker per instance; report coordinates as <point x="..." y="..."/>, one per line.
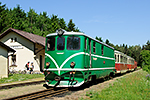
<point x="90" y="53"/>
<point x="87" y="53"/>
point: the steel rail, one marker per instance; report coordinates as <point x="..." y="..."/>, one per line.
<point x="11" y="85"/>
<point x="40" y="94"/>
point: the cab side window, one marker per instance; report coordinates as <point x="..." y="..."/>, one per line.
<point x="51" y="44"/>
<point x="94" y="47"/>
<point x="102" y="49"/>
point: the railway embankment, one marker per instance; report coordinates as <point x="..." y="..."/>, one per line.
<point x="79" y="93"/>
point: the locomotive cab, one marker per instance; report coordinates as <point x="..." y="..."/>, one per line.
<point x="64" y="59"/>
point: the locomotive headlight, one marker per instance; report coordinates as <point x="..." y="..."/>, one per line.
<point x="72" y="64"/>
<point x="60" y="32"/>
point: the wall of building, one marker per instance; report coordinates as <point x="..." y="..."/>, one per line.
<point x="24" y="51"/>
<point x="3" y="62"/>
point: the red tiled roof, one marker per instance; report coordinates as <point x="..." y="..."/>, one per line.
<point x="31" y="37"/>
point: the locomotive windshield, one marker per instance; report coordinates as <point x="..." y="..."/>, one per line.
<point x="73" y="43"/>
<point x="60" y="43"/>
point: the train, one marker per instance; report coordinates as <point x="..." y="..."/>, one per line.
<point x="124" y="63"/>
<point x="74" y="58"/>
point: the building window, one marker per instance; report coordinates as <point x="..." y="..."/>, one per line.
<point x="11" y="40"/>
<point x="13" y="59"/>
<point x="15" y="39"/>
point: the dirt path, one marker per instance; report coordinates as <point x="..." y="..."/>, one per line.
<point x="7" y="93"/>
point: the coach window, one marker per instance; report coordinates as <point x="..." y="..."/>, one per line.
<point x="121" y="58"/>
<point x="118" y="58"/>
<point x="60" y="43"/>
<point x="102" y="49"/>
<point x="124" y="59"/>
<point x="94" y="47"/>
<point x="51" y="44"/>
<point x="73" y="43"/>
<point x="115" y="58"/>
<point x="132" y="61"/>
<point x="129" y="61"/>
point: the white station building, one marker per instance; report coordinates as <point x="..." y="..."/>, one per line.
<point x="28" y="47"/>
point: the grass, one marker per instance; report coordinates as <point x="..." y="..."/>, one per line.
<point x="19" y="77"/>
<point x="131" y="87"/>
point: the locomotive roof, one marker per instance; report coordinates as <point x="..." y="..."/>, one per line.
<point x="79" y="33"/>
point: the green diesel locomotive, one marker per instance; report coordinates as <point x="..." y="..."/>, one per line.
<point x="73" y="58"/>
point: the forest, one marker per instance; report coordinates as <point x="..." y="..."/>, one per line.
<point x="39" y="24"/>
<point x="43" y="24"/>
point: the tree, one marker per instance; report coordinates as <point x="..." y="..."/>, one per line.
<point x="126" y="49"/>
<point x="145" y="55"/>
<point x="145" y="59"/>
<point x="3" y="14"/>
<point x="147" y="46"/>
<point x="62" y="23"/>
<point x="100" y="39"/>
<point x="107" y="41"/>
<point x="54" y="23"/>
<point x="71" y="27"/>
<point x="32" y="22"/>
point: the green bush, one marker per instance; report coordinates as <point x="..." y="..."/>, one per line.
<point x="146" y="68"/>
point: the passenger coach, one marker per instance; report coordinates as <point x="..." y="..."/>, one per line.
<point x="73" y="58"/>
<point x="124" y="63"/>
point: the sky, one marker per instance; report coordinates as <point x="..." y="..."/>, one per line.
<point x="119" y="21"/>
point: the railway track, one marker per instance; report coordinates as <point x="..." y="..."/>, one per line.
<point x="11" y="85"/>
<point x="40" y="94"/>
